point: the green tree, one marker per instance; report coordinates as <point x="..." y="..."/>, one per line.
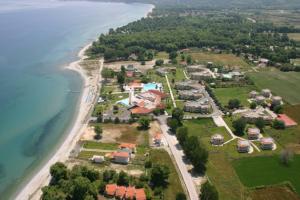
<point x="123" y="179"/>
<point x="121" y="78"/>
<point x="253" y="105"/>
<point x="208" y="192"/>
<point x="182" y="134"/>
<point x="144" y="123"/>
<point x="98" y="130"/>
<point x="159" y="175"/>
<point x="173" y="124"/>
<point x="277" y="124"/>
<point x="107" y="73"/>
<point x="83" y="187"/>
<point x="260" y="123"/>
<point x="177" y="114"/>
<point x="278" y="109"/>
<point x="172" y="55"/>
<point x="58" y="172"/>
<point x="53" y="193"/>
<point x="189" y="60"/>
<point x="234" y="103"/>
<point x="239" y="126"/>
<point x="159" y="62"/>
<point x="180" y="196"/>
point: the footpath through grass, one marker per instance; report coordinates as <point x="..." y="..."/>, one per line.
<point x="258" y="171"/>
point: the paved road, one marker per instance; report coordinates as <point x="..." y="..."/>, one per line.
<point x="178" y="155"/>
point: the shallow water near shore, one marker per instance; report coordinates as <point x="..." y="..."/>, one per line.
<point x="38" y="97"/>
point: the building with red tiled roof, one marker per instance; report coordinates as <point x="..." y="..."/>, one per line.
<point x="110" y="189"/>
<point x="140" y="111"/>
<point x="121" y="157"/>
<point x="140" y="194"/>
<point x="121" y="191"/>
<point x="129" y="146"/>
<point x="287" y="120"/>
<point x="158" y="93"/>
<point x="130" y="193"/>
<point x="157" y="138"/>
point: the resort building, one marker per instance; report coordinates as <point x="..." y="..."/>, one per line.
<point x="252" y="115"/>
<point x="140" y="194"/>
<point x="276" y="100"/>
<point x="161" y="71"/>
<point x="201" y="106"/>
<point x="135" y="85"/>
<point x="130" y="193"/>
<point x="190" y="95"/>
<point x="121" y="157"/>
<point x="243" y="146"/>
<point x="253" y="133"/>
<point x="195" y="68"/>
<point x="266" y="93"/>
<point x="131" y="148"/>
<point x="110" y="190"/>
<point x="253" y="94"/>
<point x="260" y="99"/>
<point x="188" y="85"/>
<point x="217" y="139"/>
<point x="201" y="76"/>
<point x="266" y="143"/>
<point x="235" y="75"/>
<point x="122" y="192"/>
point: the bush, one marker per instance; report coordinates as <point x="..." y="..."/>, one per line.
<point x="180" y="196"/>
<point x="144" y="123"/>
<point x="234" y="103"/>
<point x="159" y="62"/>
<point x="239" y="126"/>
<point x="277" y="124"/>
<point x="208" y="192"/>
<point x="253" y="105"/>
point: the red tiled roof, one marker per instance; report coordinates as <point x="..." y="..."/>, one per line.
<point x="121" y="154"/>
<point x="140" y="194"/>
<point x="140" y="110"/>
<point x="110" y="189"/>
<point x="130" y="193"/>
<point x="287" y="120"/>
<point x="158" y="93"/>
<point x="127" y="145"/>
<point x="157" y="136"/>
<point x="121" y="190"/>
<point x="129" y="74"/>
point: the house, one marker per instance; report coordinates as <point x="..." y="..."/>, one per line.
<point x="120" y="193"/>
<point x="287" y="120"/>
<point x="266" y="93"/>
<point x="253" y="94"/>
<point x="97" y="159"/>
<point x="243" y="146"/>
<point x="266" y="143"/>
<point x="121" y="157"/>
<point x="233" y="75"/>
<point x="195" y="68"/>
<point x="190" y="95"/>
<point x="260" y="99"/>
<point x="251" y="116"/>
<point x="140" y="194"/>
<point x="128" y="146"/>
<point x="217" y="139"/>
<point x="200" y="76"/>
<point x="130" y="193"/>
<point x="184" y="85"/>
<point x="134" y="85"/>
<point x="201" y="106"/>
<point x="161" y="71"/>
<point x="253" y="133"/>
<point x="264" y="61"/>
<point x="157" y="139"/>
<point x="276" y="100"/>
<point x="110" y="190"/>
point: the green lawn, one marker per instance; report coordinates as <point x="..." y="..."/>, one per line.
<point x="174" y="187"/>
<point x="257" y="171"/>
<point x="277" y="192"/>
<point x="240" y="93"/>
<point x="285" y="84"/>
<point x="99" y="145"/>
<point x="89" y="154"/>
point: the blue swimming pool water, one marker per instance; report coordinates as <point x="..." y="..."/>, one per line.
<point x="125" y="102"/>
<point x="151" y="86"/>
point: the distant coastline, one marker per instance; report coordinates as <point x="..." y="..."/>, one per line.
<point x="32" y="190"/>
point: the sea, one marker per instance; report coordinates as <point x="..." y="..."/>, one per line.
<point x="38" y="96"/>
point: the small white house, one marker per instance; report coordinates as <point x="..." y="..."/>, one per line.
<point x="98" y="159"/>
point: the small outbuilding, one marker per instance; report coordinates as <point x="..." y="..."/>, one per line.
<point x="157" y="139"/>
<point x="217" y="139"/>
<point x="253" y="133"/>
<point x="243" y="146"/>
<point x="267" y="143"/>
<point x="260" y="99"/>
<point x="98" y="159"/>
<point x="253" y="94"/>
<point x="266" y="93"/>
<point x="276" y="100"/>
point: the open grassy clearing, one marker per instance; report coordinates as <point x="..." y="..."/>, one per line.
<point x="273" y="193"/>
<point x="99" y="145"/>
<point x="162" y="55"/>
<point x="285" y="84"/>
<point x="174" y="187"/>
<point x="89" y="154"/>
<point x="257" y="171"/>
<point x="219" y="59"/>
<point x="294" y="36"/>
<point x="240" y="93"/>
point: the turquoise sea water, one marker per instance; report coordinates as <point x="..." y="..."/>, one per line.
<point x="38" y="38"/>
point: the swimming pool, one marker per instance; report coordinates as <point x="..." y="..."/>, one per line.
<point x="124" y="102"/>
<point x="151" y="86"/>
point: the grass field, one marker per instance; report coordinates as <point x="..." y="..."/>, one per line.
<point x="220" y="59"/>
<point x="285" y="84"/>
<point x="99" y="145"/>
<point x="174" y="187"/>
<point x="89" y="154"/>
<point x="294" y="36"/>
<point x="257" y="171"/>
<point x="240" y="93"/>
<point x="162" y="55"/>
<point x="273" y="193"/>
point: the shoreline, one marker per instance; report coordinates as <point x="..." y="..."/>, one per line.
<point x="32" y="190"/>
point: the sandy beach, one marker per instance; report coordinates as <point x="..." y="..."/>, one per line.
<point x="32" y="189"/>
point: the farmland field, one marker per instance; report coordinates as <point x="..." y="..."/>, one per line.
<point x="285" y="84"/>
<point x="294" y="36"/>
<point x="257" y="171"/>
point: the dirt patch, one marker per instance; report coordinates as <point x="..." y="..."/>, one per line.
<point x="88" y="133"/>
<point x="154" y="129"/>
<point x="116" y="66"/>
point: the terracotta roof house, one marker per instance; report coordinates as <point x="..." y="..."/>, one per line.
<point x="266" y="93"/>
<point x="253" y="133"/>
<point x="243" y="146"/>
<point x="130" y="146"/>
<point x="121" y="191"/>
<point x="287" y="120"/>
<point x="110" y="189"/>
<point x="121" y="157"/>
<point x="157" y="138"/>
<point x="130" y="193"/>
<point x="217" y="139"/>
<point x="158" y="93"/>
<point x="267" y="143"/>
<point x="140" y="194"/>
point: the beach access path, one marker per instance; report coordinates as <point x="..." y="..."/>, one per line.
<point x="32" y="189"/>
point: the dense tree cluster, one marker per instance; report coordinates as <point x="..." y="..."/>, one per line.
<point x="230" y="32"/>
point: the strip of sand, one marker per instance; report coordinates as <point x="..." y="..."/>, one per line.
<point x="32" y="190"/>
